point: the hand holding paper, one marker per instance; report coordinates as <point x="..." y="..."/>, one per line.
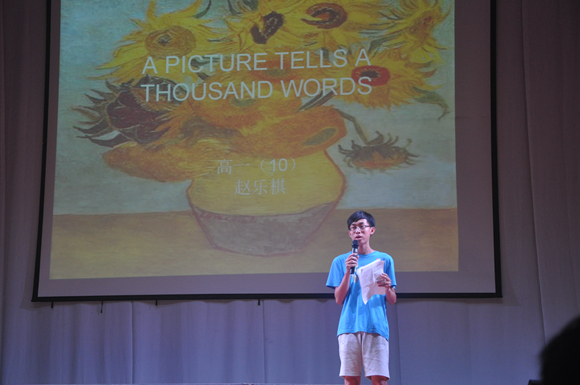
<point x="368" y="276"/>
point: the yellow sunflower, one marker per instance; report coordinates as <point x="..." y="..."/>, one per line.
<point x="410" y="26"/>
<point x="178" y="34"/>
<point x="269" y="28"/>
<point x="294" y="135"/>
<point x="235" y="112"/>
<point x="287" y="67"/>
<point x="189" y="148"/>
<point x="338" y="23"/>
<point x="272" y="68"/>
<point x="230" y="100"/>
<point x="390" y="80"/>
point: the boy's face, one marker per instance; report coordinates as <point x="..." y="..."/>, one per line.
<point x="361" y="231"/>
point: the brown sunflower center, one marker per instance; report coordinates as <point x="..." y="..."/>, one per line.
<point x="379" y="75"/>
<point x="329" y="15"/>
<point x="174" y="40"/>
<point x="272" y="23"/>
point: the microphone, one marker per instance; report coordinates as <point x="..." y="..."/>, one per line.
<point x="354" y="251"/>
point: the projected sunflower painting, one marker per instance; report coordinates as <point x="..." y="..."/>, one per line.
<point x="235" y="137"/>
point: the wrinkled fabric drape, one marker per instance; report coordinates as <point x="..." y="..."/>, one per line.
<point x="551" y="88"/>
<point x="2" y="173"/>
<point x="470" y="341"/>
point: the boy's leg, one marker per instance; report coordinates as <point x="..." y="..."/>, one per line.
<point x="379" y="380"/>
<point x="349" y="349"/>
<point x="351" y="380"/>
<point x="376" y="358"/>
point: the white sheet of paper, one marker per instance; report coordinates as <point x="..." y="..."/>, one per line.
<point x="368" y="276"/>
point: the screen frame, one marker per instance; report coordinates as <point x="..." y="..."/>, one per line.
<point x="481" y="61"/>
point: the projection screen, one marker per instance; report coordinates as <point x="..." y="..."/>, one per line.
<point x="201" y="149"/>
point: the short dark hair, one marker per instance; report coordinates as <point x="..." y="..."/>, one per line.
<point x="561" y="357"/>
<point x="358" y="215"/>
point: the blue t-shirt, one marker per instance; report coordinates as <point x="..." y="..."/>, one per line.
<point x="356" y="316"/>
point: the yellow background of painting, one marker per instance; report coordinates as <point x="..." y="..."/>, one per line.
<point x="172" y="244"/>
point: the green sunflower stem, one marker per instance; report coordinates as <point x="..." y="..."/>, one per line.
<point x="358" y="128"/>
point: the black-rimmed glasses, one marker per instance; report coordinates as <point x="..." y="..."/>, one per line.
<point x="361" y="227"/>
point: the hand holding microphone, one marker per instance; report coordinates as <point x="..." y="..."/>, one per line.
<point x="354" y="251"/>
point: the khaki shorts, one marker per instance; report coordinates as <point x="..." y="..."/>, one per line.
<point x="363" y="349"/>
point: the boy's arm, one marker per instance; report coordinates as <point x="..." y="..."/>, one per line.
<point x="391" y="296"/>
<point x="342" y="289"/>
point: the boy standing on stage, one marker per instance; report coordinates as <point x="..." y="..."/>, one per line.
<point x="363" y="330"/>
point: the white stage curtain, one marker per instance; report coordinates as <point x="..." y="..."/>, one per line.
<point x="453" y="342"/>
